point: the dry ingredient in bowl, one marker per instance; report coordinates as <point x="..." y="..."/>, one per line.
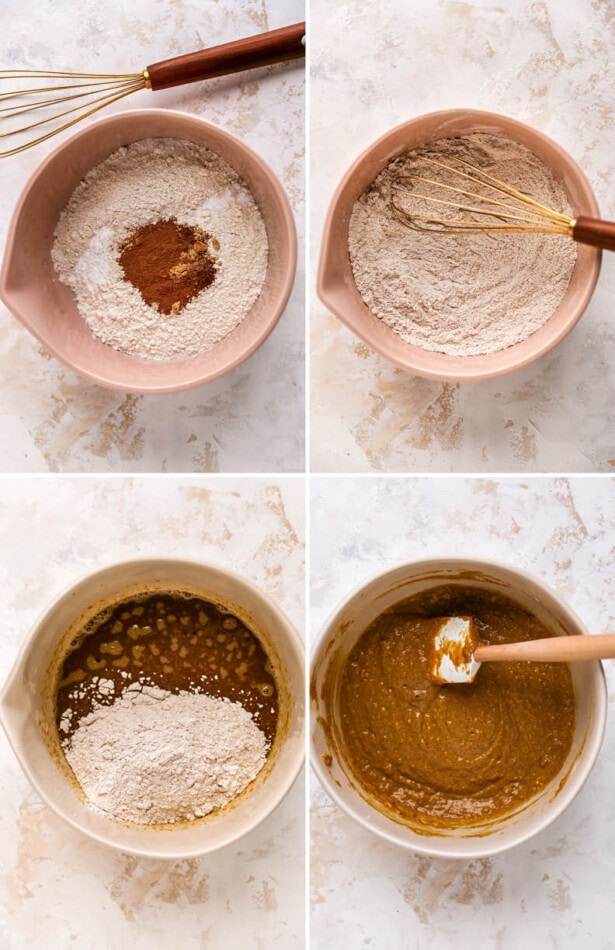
<point x="166" y="708"/>
<point x="168" y="263"/>
<point x="164" y="248"/>
<point x="155" y="757"/>
<point x="462" y="295"/>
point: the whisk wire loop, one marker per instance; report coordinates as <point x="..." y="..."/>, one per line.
<point x="529" y="215"/>
<point x="512" y="211"/>
<point x="9" y="112"/>
<point x="74" y="96"/>
<point x="521" y="196"/>
<point x="55" y="74"/>
<point x="83" y="110"/>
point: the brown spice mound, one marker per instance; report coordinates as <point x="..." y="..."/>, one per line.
<point x="169" y="263"/>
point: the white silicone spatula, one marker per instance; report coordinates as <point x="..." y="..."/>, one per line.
<point x="458" y="652"/>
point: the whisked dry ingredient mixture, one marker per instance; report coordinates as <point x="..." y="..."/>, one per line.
<point x="458" y="294"/>
<point x="166" y="707"/>
<point x="165" y="248"/>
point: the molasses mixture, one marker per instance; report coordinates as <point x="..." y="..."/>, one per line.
<point x="174" y="641"/>
<point x="448" y="756"/>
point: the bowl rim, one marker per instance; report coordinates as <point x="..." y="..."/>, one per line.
<point x="283" y="292"/>
<point x="420" y="845"/>
<point x="286" y="779"/>
<point x="415" y="358"/>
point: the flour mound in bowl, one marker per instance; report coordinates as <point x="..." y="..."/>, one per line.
<point x="463" y="295"/>
<point x="155" y="757"/>
<point x="145" y="183"/>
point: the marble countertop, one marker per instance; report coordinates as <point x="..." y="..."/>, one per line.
<point x="549" y="64"/>
<point x="58" y="889"/>
<point x="251" y="420"/>
<point x="556" y="889"/>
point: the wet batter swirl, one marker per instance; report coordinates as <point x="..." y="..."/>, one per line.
<point x="452" y="755"/>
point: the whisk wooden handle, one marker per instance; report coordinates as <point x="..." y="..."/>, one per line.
<point x="277" y="46"/>
<point x="595" y="232"/>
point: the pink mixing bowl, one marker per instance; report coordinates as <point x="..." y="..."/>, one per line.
<point x="31" y="289"/>
<point x="338" y="291"/>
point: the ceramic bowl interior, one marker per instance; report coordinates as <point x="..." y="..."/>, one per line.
<point x="338" y="291"/>
<point x="32" y="291"/>
<point x="330" y="655"/>
<point x="27" y="705"/>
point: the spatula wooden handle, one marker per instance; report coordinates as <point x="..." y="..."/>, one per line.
<point x="553" y="649"/>
<point x="596" y="232"/>
<point x="277" y="46"/>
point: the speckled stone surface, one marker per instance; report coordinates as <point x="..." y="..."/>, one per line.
<point x="547" y="63"/>
<point x="251" y="420"/>
<point x="58" y="889"/>
<point x="554" y="891"/>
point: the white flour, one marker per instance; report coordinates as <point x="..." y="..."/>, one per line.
<point x="154" y="757"/>
<point x="460" y="295"/>
<point x="140" y="184"/>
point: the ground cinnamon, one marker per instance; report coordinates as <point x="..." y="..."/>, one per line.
<point x="169" y="263"/>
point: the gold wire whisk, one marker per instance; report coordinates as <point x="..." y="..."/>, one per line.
<point x="73" y="96"/>
<point x="499" y="208"/>
<point x="503" y="209"/>
<point x="95" y="91"/>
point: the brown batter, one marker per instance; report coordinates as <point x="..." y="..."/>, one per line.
<point x="172" y="640"/>
<point x="454" y="755"/>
